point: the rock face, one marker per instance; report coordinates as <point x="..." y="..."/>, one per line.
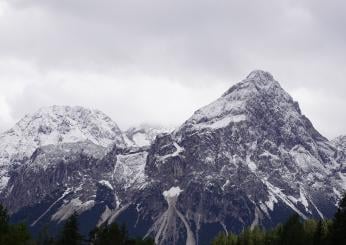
<point x="249" y="158"/>
<point x="340" y="145"/>
<point x="80" y="177"/>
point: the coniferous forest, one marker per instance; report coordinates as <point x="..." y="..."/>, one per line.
<point x="294" y="232"/>
<point x="18" y="234"/>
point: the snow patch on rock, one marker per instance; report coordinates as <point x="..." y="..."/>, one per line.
<point x="106" y="183"/>
<point x="173" y="192"/>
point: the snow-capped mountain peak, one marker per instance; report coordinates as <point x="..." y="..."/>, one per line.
<point x="259" y="75"/>
<point x="256" y="80"/>
<point x="254" y="140"/>
<point x="236" y="104"/>
<point x="55" y="125"/>
<point x="63" y="124"/>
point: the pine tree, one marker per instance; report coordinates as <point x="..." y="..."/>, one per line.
<point x="339" y="223"/>
<point x="18" y="235"/>
<point x="4" y="225"/>
<point x="293" y="231"/>
<point x="321" y="234"/>
<point x="109" y="234"/>
<point x="4" y="221"/>
<point x="44" y="238"/>
<point x="112" y="234"/>
<point x="223" y="239"/>
<point x="12" y="234"/>
<point x="258" y="235"/>
<point x="70" y="234"/>
<point x="310" y="226"/>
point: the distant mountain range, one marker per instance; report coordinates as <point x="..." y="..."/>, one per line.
<point x="249" y="158"/>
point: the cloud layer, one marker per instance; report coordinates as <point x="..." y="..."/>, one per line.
<point x="157" y="60"/>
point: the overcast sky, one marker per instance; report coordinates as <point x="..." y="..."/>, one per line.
<point x="157" y="61"/>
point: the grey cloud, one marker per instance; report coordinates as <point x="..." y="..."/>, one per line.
<point x="198" y="45"/>
<point x="174" y="38"/>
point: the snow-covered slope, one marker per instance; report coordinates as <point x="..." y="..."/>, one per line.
<point x="54" y="125"/>
<point x="232" y="105"/>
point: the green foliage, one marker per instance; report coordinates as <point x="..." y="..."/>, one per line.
<point x="70" y="234"/>
<point x="310" y="227"/>
<point x="44" y="238"/>
<point x="339" y="223"/>
<point x="223" y="239"/>
<point x="4" y="219"/>
<point x="107" y="234"/>
<point x="18" y="234"/>
<point x="113" y="234"/>
<point x="12" y="234"/>
<point x="294" y="232"/>
<point x="322" y="233"/>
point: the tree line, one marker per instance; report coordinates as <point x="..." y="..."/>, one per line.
<point x="294" y="231"/>
<point x="18" y="234"/>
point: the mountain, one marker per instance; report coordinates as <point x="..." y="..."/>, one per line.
<point x="54" y="125"/>
<point x="249" y="158"/>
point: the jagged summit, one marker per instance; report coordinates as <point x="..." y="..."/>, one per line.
<point x="256" y="81"/>
<point x="258" y="89"/>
